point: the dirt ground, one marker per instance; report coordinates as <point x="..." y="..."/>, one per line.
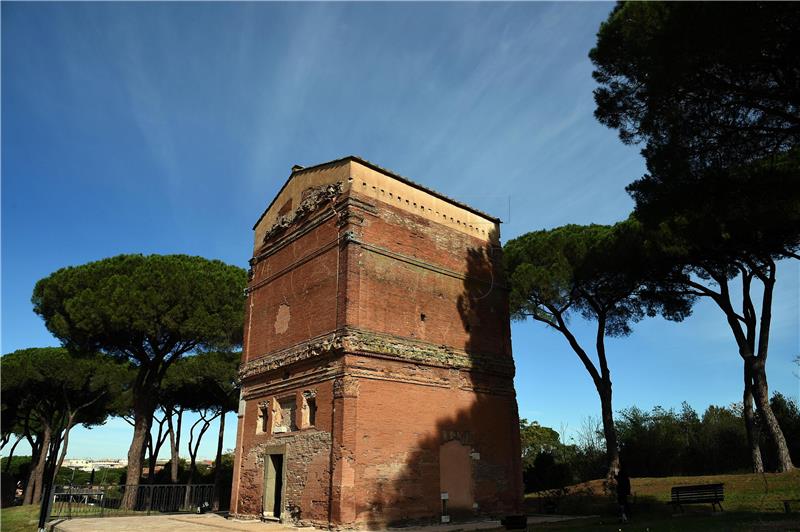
<point x="159" y="523"/>
<point x="207" y="522"/>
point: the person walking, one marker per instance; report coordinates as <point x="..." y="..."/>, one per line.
<point x="623" y="492"/>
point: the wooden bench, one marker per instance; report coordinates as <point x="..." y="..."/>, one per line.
<point x="712" y="493"/>
<point x="787" y="504"/>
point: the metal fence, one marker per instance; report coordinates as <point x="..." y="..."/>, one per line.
<point x="107" y="501"/>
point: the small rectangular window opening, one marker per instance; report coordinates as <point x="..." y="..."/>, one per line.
<point x="312" y="411"/>
<point x="309" y="409"/>
<point x="263" y="419"/>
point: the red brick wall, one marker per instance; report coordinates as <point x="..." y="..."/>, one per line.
<point x="401" y="427"/>
<point x="307" y="290"/>
<point x="394" y="294"/>
<point x="307" y="458"/>
<point x="373" y="456"/>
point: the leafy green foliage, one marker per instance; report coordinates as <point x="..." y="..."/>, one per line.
<point x="718" y="83"/>
<point x="713" y="91"/>
<point x="747" y="214"/>
<point x="144" y="307"/>
<point x="54" y="390"/>
<point x="542" y="457"/>
<point x="548" y="463"/>
<point x="19" y="466"/>
<point x="787" y="412"/>
<point x="592" y="270"/>
<point x="536" y="439"/>
<point x="665" y="442"/>
<point x="79" y="477"/>
<point x="602" y="273"/>
<point x="660" y="442"/>
<point x="207" y="380"/>
<point x="51" y="384"/>
<point x="150" y="310"/>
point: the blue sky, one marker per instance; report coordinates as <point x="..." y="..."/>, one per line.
<point x="167" y="128"/>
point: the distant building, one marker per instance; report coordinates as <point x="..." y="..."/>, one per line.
<point x="88" y="464"/>
<point x="377" y="376"/>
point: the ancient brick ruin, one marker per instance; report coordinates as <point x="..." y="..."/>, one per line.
<point x="377" y="372"/>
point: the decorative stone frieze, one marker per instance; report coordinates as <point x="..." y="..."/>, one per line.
<point x="345" y="386"/>
<point x="366" y="342"/>
<point x="352" y="211"/>
<point x="313" y="198"/>
<point x="310" y="349"/>
<point x="371" y="343"/>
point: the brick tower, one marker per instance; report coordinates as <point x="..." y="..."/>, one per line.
<point x="377" y="377"/>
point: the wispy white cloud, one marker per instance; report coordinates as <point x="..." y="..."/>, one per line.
<point x="283" y="111"/>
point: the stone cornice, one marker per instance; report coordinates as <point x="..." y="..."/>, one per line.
<point x="270" y="248"/>
<point x="321" y="345"/>
<point x="368" y="343"/>
<point x="348" y="210"/>
<point x="349" y="202"/>
<point x="313" y="198"/>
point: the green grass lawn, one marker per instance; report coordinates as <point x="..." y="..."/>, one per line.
<point x="25" y="518"/>
<point x="694" y="522"/>
<point x="19" y="518"/>
<point x="752" y="502"/>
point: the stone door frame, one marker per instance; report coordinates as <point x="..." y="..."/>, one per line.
<point x="267" y="494"/>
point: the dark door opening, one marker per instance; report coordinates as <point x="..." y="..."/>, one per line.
<point x="273" y="486"/>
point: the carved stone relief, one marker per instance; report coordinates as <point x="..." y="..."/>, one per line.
<point x="345" y="386"/>
<point x="313" y="198"/>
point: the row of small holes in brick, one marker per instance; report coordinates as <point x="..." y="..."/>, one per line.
<point x="477" y="230"/>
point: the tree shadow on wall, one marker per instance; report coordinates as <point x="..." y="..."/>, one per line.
<point x="472" y="454"/>
<point x="483" y="303"/>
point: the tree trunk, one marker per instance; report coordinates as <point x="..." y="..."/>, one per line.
<point x="188" y="501"/>
<point x="751" y="427"/>
<point x="755" y="359"/>
<point x="39" y="471"/>
<point x="609" y="431"/>
<point x="65" y="444"/>
<point x="27" y="497"/>
<point x="36" y="448"/>
<point x="218" y="463"/>
<point x="174" y="443"/>
<point x="601" y="379"/>
<point x="603" y="385"/>
<point x="143" y="415"/>
<point x="193" y="449"/>
<point x="48" y="477"/>
<point x="761" y="396"/>
<point x="154" y="447"/>
<point x="151" y="460"/>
